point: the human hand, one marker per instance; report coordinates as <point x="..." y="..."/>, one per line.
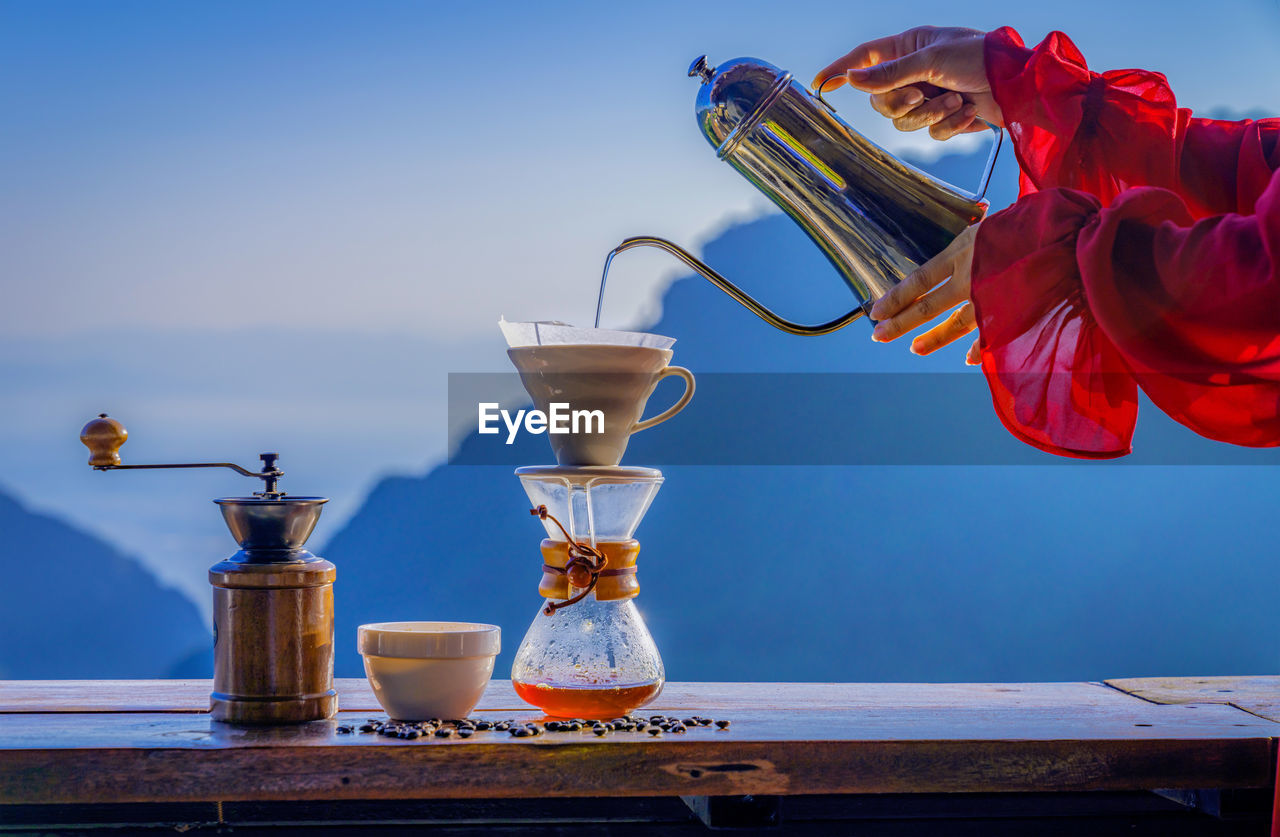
<point x="926" y="77"/>
<point x="927" y="293"/>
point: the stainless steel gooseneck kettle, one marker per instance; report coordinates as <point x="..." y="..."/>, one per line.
<point x="875" y="217"/>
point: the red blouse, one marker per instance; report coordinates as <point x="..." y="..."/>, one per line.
<point x="1144" y="251"/>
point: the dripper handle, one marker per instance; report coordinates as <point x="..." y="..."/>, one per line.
<point x="674" y="408"/>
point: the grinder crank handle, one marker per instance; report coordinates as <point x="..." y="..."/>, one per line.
<point x="103" y="436"/>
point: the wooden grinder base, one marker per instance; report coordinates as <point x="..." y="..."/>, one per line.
<point x="273" y="641"/>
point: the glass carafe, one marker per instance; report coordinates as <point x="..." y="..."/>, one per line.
<point x="588" y="653"/>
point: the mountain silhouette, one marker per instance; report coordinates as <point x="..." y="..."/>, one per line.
<point x="1047" y="570"/>
<point x="71" y="606"/>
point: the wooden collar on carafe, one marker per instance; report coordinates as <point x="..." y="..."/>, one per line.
<point x="585" y="566"/>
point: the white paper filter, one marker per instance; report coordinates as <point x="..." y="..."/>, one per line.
<point x="559" y="334"/>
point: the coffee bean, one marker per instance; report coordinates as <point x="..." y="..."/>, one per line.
<point x="444" y="732"/>
<point x="483" y="725"/>
<point x="690" y="722"/>
<point x="655" y="730"/>
<point x="367" y="728"/>
<point x="465" y="733"/>
<point x="600" y="730"/>
<point x="722" y="724"/>
<point x="521" y="732"/>
<point x="678" y="728"/>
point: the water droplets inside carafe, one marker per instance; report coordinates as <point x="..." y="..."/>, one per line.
<point x="592" y="660"/>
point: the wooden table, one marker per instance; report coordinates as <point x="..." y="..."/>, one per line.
<point x="68" y="746"/>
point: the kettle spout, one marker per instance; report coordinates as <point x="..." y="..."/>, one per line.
<point x="728" y="287"/>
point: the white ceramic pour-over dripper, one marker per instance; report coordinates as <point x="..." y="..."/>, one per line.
<point x="594" y="372"/>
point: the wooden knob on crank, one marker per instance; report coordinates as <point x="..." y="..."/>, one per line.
<point x="103" y="437"/>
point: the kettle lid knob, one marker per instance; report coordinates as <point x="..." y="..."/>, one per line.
<point x="700" y="68"/>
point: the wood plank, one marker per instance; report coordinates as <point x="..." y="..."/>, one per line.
<point x="931" y="746"/>
<point x="21" y="696"/>
<point x="105" y="695"/>
<point x="1257" y="694"/>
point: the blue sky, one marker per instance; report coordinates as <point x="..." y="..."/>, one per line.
<point x="424" y="166"/>
<point x="203" y="202"/>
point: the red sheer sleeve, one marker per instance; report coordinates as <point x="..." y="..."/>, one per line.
<point x="1056" y="381"/>
<point x="1103" y="133"/>
<point x="1079" y="304"/>
<point x="1103" y="283"/>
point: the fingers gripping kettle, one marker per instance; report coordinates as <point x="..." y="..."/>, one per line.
<point x="875" y="217"/>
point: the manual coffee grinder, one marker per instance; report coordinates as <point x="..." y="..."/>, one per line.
<point x="272" y="600"/>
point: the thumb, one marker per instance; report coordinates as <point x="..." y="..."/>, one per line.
<point x="890" y="75"/>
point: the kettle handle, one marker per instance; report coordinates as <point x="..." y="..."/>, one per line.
<point x="991" y="158"/>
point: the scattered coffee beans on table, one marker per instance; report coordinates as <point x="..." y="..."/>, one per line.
<point x="654" y="725"/>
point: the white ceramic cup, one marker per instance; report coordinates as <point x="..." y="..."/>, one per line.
<point x="616" y="380"/>
<point x="422" y="670"/>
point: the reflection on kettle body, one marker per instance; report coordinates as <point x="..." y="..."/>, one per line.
<point x="874" y="217"/>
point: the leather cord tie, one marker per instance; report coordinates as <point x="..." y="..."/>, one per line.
<point x="585" y="566"/>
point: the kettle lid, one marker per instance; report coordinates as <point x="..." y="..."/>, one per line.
<point x="732" y="92"/>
